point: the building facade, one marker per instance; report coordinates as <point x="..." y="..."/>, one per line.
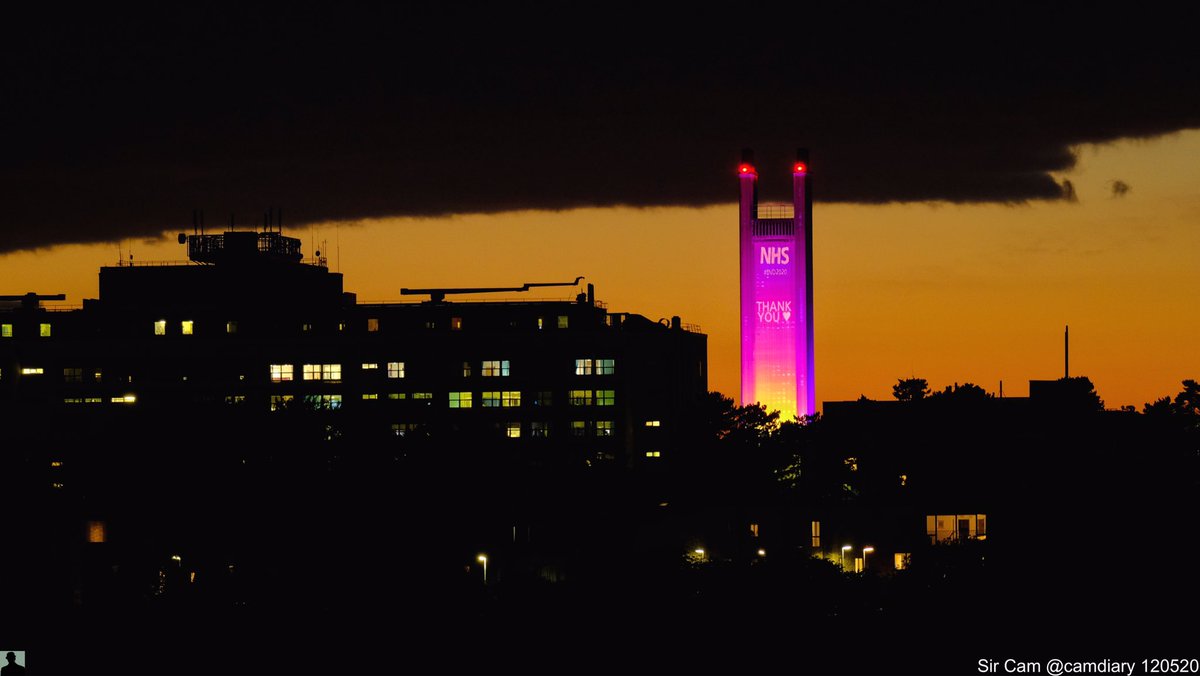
<point x="245" y="325"/>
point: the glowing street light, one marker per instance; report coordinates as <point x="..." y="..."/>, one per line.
<point x="482" y="558"/>
<point x="866" y="550"/>
<point x="762" y="552"/>
<point x="845" y="549"/>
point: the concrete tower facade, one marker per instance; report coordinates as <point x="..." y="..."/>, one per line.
<point x="776" y="294"/>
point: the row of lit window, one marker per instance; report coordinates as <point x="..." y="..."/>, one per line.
<point x="496" y="368"/>
<point x="124" y="399"/>
<point x="537" y="429"/>
<point x="591" y="397"/>
<point x="599" y="367"/>
<point x="70" y="374"/>
<point x="331" y="402"/>
<point x="6" y="330"/>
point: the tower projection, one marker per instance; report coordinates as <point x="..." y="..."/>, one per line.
<point x="776" y="277"/>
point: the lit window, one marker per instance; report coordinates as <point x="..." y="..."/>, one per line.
<point x="402" y="429"/>
<point x="604" y="428"/>
<point x="370" y="396"/>
<point x="98" y="375"/>
<point x="187" y="327"/>
<point x="541" y="323"/>
<point x="851" y="463"/>
<point x="460" y="400"/>
<point x="466" y="369"/>
<point x="160" y="327"/>
<point x="280" y="401"/>
<point x="816" y="534"/>
<point x="93" y="400"/>
<point x="493" y="369"/>
<point x="372" y="325"/>
<point x="31" y="371"/>
<point x="544" y="398"/>
<point x="431" y="325"/>
<point x="72" y="375"/>
<point x="230" y="327"/>
<point x="96" y="531"/>
<point x="127" y="399"/>
<point x="396" y="395"/>
<point x="456" y="323"/>
<point x="369" y="366"/>
<point x="306" y="327"/>
<point x="341" y="326"/>
<point x="901" y="560"/>
<point x="583" y="367"/>
<point x="284" y="372"/>
<point x="539" y="429"/>
<point x="754" y="530"/>
<point x="903" y="479"/>
<point x="491" y="399"/>
<point x="580" y="397"/>
<point x="605" y="367"/>
<point x="562" y="321"/>
<point x="44" y="330"/>
<point x="511" y="399"/>
<point x="72" y="400"/>
<point x="605" y="397"/>
<point x="512" y="430"/>
<point x="578" y="428"/>
<point x="5" y="330"/>
<point x="653" y="454"/>
<point x="330" y="402"/>
<point x="395" y="369"/>
<point x="422" y="395"/>
<point x="330" y="373"/>
<point x="235" y="399"/>
<point x="653" y="423"/>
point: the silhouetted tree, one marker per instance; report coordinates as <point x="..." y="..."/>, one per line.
<point x="1079" y="391"/>
<point x="910" y="389"/>
<point x="1184" y="408"/>
<point x="967" y="392"/>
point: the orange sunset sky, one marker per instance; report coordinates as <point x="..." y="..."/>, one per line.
<point x="950" y="293"/>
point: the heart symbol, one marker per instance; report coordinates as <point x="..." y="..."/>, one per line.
<point x="787" y="316"/>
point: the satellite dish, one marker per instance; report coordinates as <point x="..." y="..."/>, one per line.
<point x="318" y="253"/>
<point x="182" y="238"/>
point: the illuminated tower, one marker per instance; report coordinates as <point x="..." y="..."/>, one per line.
<point x="776" y="276"/>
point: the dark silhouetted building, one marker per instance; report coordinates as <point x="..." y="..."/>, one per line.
<point x="247" y="325"/>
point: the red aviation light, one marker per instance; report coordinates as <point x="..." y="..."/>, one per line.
<point x="800" y="168"/>
<point x="746" y="169"/>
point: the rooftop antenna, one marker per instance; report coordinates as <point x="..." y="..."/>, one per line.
<point x="231" y="220"/>
<point x="201" y="221"/>
<point x="1066" y="351"/>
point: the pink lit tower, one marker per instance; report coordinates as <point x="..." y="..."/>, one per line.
<point x="777" y="307"/>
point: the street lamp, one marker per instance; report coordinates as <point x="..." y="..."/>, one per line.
<point x="866" y="550"/>
<point x="845" y="549"/>
<point x="482" y="558"/>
